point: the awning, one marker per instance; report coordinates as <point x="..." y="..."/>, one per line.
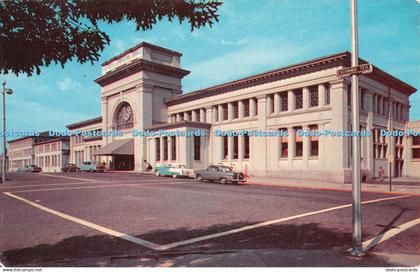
<point x="117" y="147"/>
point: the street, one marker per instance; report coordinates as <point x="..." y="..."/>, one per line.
<point x="124" y="219"/>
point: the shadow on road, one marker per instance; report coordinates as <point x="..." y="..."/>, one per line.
<point x="72" y="251"/>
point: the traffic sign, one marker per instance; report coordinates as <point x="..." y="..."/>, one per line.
<point x="356" y="70"/>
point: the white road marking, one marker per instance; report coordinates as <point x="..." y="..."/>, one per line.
<point x="267" y="223"/>
<point x="48" y="184"/>
<point x="65" y="177"/>
<point x="88" y="224"/>
<point x="369" y="244"/>
<point x="108" y="184"/>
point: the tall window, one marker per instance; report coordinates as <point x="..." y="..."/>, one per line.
<point x="173" y="155"/>
<point x="298" y="99"/>
<point x="349" y="95"/>
<point x="284" y="103"/>
<point x="327" y="93"/>
<point x="235" y="147"/>
<point x="165" y="148"/>
<point x="299" y="143"/>
<point x="313" y="96"/>
<point x="256" y="107"/>
<point x="157" y="149"/>
<point x="225" y="147"/>
<point x="124" y="117"/>
<point x="216" y="113"/>
<point x="314" y="141"/>
<point x="235" y="106"/>
<point x="246" y="146"/>
<point x="271" y="103"/>
<point x="225" y="111"/>
<point x="246" y="107"/>
<point x="284" y="145"/>
<point x="197" y="148"/>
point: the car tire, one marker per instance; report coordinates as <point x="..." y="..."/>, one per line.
<point x="157" y="173"/>
<point x="199" y="178"/>
<point x="174" y="176"/>
<point x="235" y="182"/>
<point x="223" y="181"/>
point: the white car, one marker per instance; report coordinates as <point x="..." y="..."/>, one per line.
<point x="175" y="170"/>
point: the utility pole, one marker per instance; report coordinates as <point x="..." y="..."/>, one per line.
<point x="357" y="211"/>
<point x="3" y="163"/>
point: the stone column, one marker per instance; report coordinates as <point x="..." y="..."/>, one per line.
<point x="153" y="152"/>
<point x="178" y="117"/>
<point x="202" y="115"/>
<point x="240" y="109"/>
<point x="220" y="112"/>
<point x="230" y="149"/>
<point x="186" y="116"/>
<point x="241" y="150"/>
<point x="305" y="92"/>
<point x="194" y="116"/>
<point x="290" y="101"/>
<point x="291" y="144"/>
<point x="321" y="95"/>
<point x="276" y="102"/>
<point x="161" y="149"/>
<point x="268" y="104"/>
<point x="252" y="107"/>
<point x="170" y="148"/>
<point x="230" y="111"/>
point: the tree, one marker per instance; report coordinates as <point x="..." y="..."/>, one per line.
<point x="36" y="33"/>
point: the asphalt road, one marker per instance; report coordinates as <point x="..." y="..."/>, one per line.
<point x="59" y="219"/>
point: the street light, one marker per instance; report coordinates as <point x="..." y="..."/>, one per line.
<point x="3" y="163"/>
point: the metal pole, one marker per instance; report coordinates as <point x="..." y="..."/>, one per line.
<point x="3" y="163"/>
<point x="357" y="217"/>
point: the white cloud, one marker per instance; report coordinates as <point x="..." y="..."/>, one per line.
<point x="67" y="84"/>
<point x="237" y="42"/>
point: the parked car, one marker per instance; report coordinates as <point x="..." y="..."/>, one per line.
<point x="70" y="167"/>
<point x="175" y="170"/>
<point x="30" y="168"/>
<point x="221" y="173"/>
<point x="91" y="167"/>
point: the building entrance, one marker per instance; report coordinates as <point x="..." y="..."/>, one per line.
<point x="123" y="162"/>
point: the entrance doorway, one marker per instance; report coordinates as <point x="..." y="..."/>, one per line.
<point x="123" y="162"/>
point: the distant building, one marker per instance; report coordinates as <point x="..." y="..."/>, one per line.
<point x="412" y="154"/>
<point x="22" y="151"/>
<point x="53" y="154"/>
<point x="82" y="147"/>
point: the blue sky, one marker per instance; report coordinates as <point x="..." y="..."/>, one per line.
<point x="251" y="37"/>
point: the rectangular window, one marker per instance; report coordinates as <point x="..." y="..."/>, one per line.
<point x="246" y="107"/>
<point x="246" y="146"/>
<point x="284" y="102"/>
<point x="225" y="147"/>
<point x="284" y="143"/>
<point x="197" y="148"/>
<point x="173" y="148"/>
<point x="165" y="148"/>
<point x="416" y="140"/>
<point x="299" y="143"/>
<point x="314" y="141"/>
<point x="235" y="147"/>
<point x="327" y="93"/>
<point x="157" y="149"/>
<point x="362" y="99"/>
<point x="225" y="111"/>
<point x="235" y="106"/>
<point x="349" y="95"/>
<point x="298" y="99"/>
<point x="313" y="96"/>
<point x="416" y="153"/>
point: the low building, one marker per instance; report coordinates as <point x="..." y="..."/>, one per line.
<point x="53" y="154"/>
<point x="84" y="140"/>
<point x="22" y="152"/>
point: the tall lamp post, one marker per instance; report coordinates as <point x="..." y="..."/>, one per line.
<point x="3" y="163"/>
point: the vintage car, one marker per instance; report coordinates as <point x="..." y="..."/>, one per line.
<point x="174" y="170"/>
<point x="70" y="167"/>
<point x="221" y="173"/>
<point x="91" y="167"/>
<point x="31" y="168"/>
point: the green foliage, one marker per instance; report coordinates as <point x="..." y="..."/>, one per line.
<point x="36" y="33"/>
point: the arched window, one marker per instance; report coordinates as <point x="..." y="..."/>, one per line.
<point x="123" y="117"/>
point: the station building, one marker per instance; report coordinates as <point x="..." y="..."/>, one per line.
<point x="53" y="154"/>
<point x="141" y="90"/>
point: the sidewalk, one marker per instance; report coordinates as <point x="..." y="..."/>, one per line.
<point x="402" y="186"/>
